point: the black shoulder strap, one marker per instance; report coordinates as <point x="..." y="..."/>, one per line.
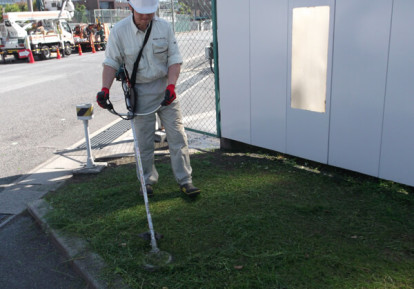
<point x="134" y="71"/>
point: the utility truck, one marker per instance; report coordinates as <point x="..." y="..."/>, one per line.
<point x="42" y="32"/>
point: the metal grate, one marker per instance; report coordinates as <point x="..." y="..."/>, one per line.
<point x="4" y="217"/>
<point x="107" y="136"/>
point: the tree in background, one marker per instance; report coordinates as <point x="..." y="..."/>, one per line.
<point x="12" y="8"/>
<point x="22" y="6"/>
<point x="80" y="13"/>
<point x="183" y="9"/>
<point x="198" y="7"/>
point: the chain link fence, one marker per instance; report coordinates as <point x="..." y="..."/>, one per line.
<point x="110" y="16"/>
<point x="192" y="23"/>
<point x="83" y="17"/>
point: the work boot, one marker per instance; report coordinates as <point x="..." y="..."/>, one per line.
<point x="190" y="190"/>
<point x="150" y="191"/>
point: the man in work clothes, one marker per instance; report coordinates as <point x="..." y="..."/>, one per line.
<point x="157" y="74"/>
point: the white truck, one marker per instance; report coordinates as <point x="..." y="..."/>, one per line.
<point x="42" y="32"/>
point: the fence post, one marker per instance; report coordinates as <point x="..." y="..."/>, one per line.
<point x="216" y="67"/>
<point x="172" y="15"/>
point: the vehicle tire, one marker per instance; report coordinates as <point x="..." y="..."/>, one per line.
<point x="68" y="49"/>
<point x="45" y="52"/>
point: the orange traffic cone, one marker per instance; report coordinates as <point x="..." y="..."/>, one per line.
<point x="79" y="49"/>
<point x="31" y="58"/>
<point x="58" y="54"/>
<point x="93" y="48"/>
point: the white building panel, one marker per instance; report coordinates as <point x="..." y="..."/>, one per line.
<point x="397" y="153"/>
<point x="344" y="99"/>
<point x="268" y="37"/>
<point x="362" y="30"/>
<point x="233" y="35"/>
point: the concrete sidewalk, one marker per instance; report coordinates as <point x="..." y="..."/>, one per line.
<point x="112" y="141"/>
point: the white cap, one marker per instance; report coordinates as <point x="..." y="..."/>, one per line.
<point x="144" y="6"/>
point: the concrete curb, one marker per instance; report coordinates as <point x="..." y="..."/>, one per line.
<point x="89" y="265"/>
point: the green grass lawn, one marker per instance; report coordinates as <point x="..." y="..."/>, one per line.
<point x="262" y="221"/>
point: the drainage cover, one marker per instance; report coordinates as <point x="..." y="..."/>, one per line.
<point x="4" y="217"/>
<point x="107" y="136"/>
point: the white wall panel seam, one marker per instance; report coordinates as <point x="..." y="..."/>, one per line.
<point x="385" y="92"/>
<point x="287" y="70"/>
<point x="288" y="26"/>
<point x="354" y="142"/>
<point x="250" y="76"/>
<point x="331" y="78"/>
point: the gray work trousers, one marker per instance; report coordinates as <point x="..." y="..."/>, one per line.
<point x="171" y="119"/>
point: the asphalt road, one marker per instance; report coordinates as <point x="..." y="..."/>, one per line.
<point x="29" y="260"/>
<point x="38" y="118"/>
<point x="38" y="103"/>
<point x="38" y="109"/>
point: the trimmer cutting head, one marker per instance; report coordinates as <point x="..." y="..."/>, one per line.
<point x="156" y="260"/>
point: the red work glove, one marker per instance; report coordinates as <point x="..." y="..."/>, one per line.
<point x="169" y="95"/>
<point x="103" y="98"/>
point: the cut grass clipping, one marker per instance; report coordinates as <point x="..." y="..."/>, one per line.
<point x="261" y="221"/>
